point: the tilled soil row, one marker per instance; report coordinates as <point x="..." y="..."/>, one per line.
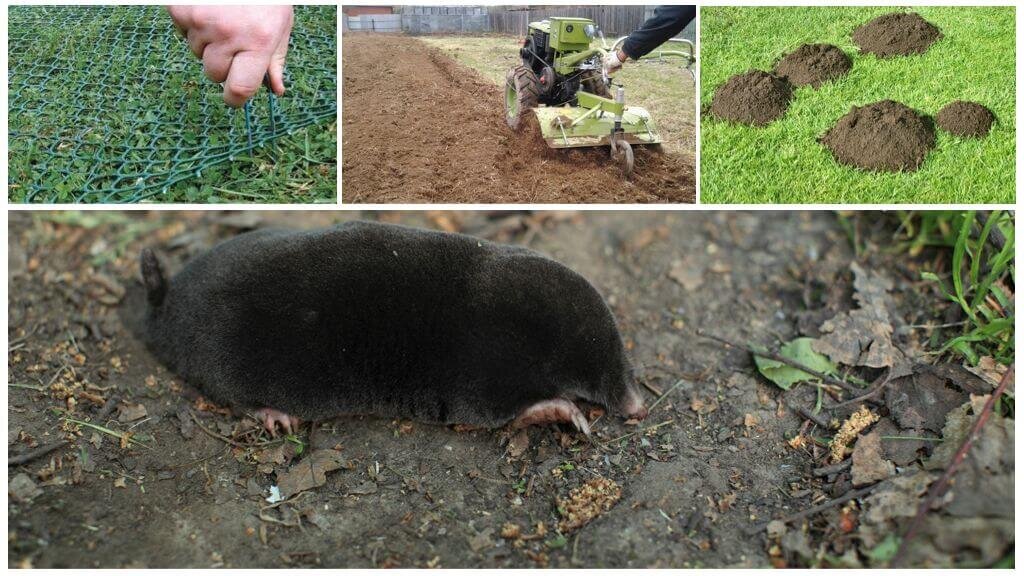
<point x="418" y="127"/>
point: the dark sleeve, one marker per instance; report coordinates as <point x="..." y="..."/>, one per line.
<point x="666" y="23"/>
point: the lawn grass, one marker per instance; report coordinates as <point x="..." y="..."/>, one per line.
<point x="297" y="169"/>
<point x="783" y="162"/>
<point x="663" y="87"/>
<point x="107" y="104"/>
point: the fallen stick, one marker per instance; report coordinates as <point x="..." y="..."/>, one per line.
<point x="35" y="453"/>
<point x="779" y="358"/>
<point x="833" y="469"/>
<point x="213" y="434"/>
<point x="851" y="495"/>
<point x="939" y="487"/>
<point x="808" y="414"/>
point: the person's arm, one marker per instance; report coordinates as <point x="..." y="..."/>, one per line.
<point x="666" y="23"/>
<point x="238" y="45"/>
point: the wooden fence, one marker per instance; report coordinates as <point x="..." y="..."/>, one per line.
<point x="613" y="20"/>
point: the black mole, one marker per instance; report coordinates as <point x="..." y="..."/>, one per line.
<point x="367" y="318"/>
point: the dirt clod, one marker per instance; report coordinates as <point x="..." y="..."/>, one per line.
<point x="755" y="97"/>
<point x="965" y="119"/>
<point x="813" y="64"/>
<point x="883" y="136"/>
<point x="896" y="34"/>
<point x="587" y="502"/>
<point x="854" y="425"/>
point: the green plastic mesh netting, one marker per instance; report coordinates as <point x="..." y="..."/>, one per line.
<point x="107" y="103"/>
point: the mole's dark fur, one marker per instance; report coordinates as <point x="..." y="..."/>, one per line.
<point x="368" y="318"/>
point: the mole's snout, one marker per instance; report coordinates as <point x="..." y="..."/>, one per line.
<point x="634" y="407"/>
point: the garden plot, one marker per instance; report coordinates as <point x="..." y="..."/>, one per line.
<point x="841" y="105"/>
<point x="420" y="127"/>
<point x="115" y="462"/>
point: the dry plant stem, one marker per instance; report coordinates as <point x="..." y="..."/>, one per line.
<point x="640" y="430"/>
<point x="778" y="358"/>
<point x="939" y="487"/>
<point x="870" y="394"/>
<point x="35" y="453"/>
<point x="851" y="495"/>
<point x="214" y="435"/>
<point x="810" y="415"/>
<point x="833" y="469"/>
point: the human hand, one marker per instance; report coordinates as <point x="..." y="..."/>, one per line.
<point x="238" y="45"/>
<point x="613" y="61"/>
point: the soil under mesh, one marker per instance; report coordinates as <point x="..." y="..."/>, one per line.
<point x="896" y="34"/>
<point x="965" y="119"/>
<point x="755" y="97"/>
<point x="813" y="65"/>
<point x="884" y="136"/>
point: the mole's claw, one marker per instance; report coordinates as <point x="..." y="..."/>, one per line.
<point x="555" y="410"/>
<point x="580" y="421"/>
<point x="272" y="418"/>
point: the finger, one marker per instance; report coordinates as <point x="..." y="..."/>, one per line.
<point x="245" y="77"/>
<point x="277" y="62"/>
<point x="216" y="62"/>
<point x="276" y="73"/>
<point x="196" y="41"/>
<point x="180" y="16"/>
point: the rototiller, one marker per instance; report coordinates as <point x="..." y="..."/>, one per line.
<point x="562" y="82"/>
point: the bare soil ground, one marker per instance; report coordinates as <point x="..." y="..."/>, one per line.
<point x="174" y="482"/>
<point x="418" y="127"/>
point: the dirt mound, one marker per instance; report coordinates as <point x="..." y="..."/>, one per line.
<point x="896" y="34"/>
<point x="420" y="128"/>
<point x="813" y="65"/>
<point x="965" y="119"/>
<point x="883" y="136"/>
<point x="755" y="97"/>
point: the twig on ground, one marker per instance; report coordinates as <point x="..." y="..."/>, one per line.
<point x="654" y="389"/>
<point x="213" y="434"/>
<point x="36" y="387"/>
<point x="833" y="469"/>
<point x="665" y="395"/>
<point x="260" y="514"/>
<point x="810" y="415"/>
<point x="639" y="431"/>
<point x="227" y="440"/>
<point x="866" y="397"/>
<point x="36" y="453"/>
<point x="123" y="436"/>
<point x="851" y="495"/>
<point x="939" y="487"/>
<point x="779" y="358"/>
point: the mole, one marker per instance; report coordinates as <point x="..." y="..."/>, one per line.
<point x="388" y="320"/>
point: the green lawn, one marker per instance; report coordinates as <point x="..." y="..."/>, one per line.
<point x="107" y="104"/>
<point x="783" y="163"/>
<point x="297" y="169"/>
<point x="663" y="87"/>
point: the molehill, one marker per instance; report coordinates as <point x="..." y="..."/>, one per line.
<point x="813" y="65"/>
<point x="965" y="119"/>
<point x="883" y="136"/>
<point x="896" y="34"/>
<point x="754" y="97"/>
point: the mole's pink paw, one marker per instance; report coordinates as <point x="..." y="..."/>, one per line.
<point x="272" y="418"/>
<point x="557" y="410"/>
